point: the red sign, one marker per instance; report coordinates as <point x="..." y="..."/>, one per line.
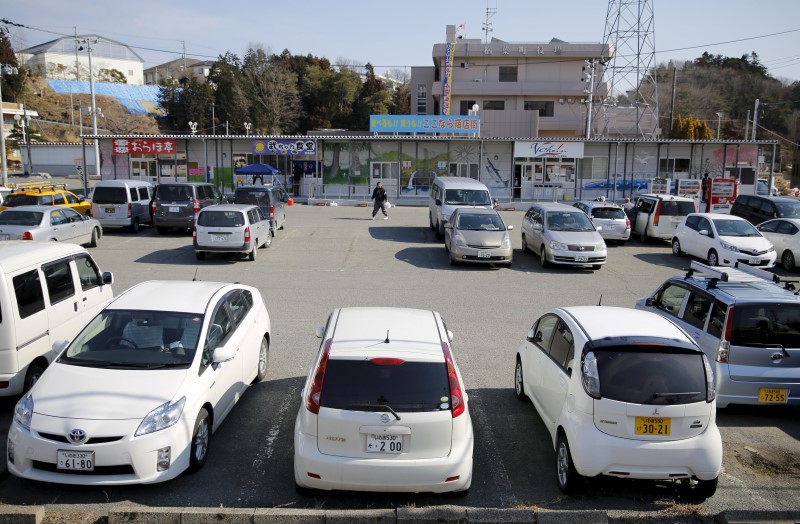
<point x="144" y="146"/>
<point x="723" y="193"/>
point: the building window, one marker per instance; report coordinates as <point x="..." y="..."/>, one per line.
<point x="494" y="105"/>
<point x="544" y="108"/>
<point x="464" y="170"/>
<point x="508" y="73"/>
<point x="422" y="98"/>
<point x="422" y="91"/>
<point x="465" y="107"/>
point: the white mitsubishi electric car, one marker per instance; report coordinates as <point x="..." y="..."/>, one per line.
<point x="137" y="395"/>
<point x="384" y="407"/>
<point x="623" y="394"/>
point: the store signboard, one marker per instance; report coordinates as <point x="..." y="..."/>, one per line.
<point x="548" y="149"/>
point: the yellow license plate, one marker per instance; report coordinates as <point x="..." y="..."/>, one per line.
<point x="659" y="426"/>
<point x="773" y="395"/>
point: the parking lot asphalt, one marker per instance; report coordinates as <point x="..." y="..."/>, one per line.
<point x="329" y="257"/>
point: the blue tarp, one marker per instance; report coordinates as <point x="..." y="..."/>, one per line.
<point x="258" y="169"/>
<point x="129" y="96"/>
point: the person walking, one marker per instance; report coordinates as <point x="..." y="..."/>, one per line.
<point x="379" y="196"/>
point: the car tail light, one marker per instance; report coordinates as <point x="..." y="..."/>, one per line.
<point x="456" y="396"/>
<point x="27" y="235"/>
<point x="271" y="212"/>
<point x="627" y="223"/>
<point x="130" y="211"/>
<point x="724" y="349"/>
<point x="196" y="205"/>
<point x="247" y="234"/>
<point x="194" y="233"/>
<point x="657" y="214"/>
<point x="153" y="207"/>
<point x="387" y="361"/>
<point x="312" y="402"/>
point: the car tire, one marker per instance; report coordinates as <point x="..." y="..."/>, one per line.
<point x="446" y="249"/>
<point x="95" y="235"/>
<point x="439" y="231"/>
<point x="643" y="238"/>
<point x="263" y="360"/>
<point x="524" y="244"/>
<point x="283" y="224"/>
<point x="33" y="374"/>
<point x="519" y="381"/>
<point x="699" y="490"/>
<point x="713" y="258"/>
<point x="543" y="257"/>
<point x="787" y="260"/>
<point x="676" y="247"/>
<point x="568" y="478"/>
<point x="135" y="226"/>
<point x="253" y="252"/>
<point x="200" y="255"/>
<point x="453" y="261"/>
<point x="201" y="437"/>
<point x="430" y="222"/>
<point x="267" y="242"/>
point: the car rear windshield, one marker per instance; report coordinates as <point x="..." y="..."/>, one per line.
<point x="110" y="195"/>
<point x="608" y="212"/>
<point x="221" y="219"/>
<point x="788" y="209"/>
<point x="362" y="385"/>
<point x="173" y="193"/>
<point x="20" y="218"/>
<point x="21" y="200"/>
<point x="676" y="208"/>
<point x="467" y="197"/>
<point x="254" y="197"/>
<point x="771" y="324"/>
<point x="657" y="375"/>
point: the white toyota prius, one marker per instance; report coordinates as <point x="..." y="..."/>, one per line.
<point x="136" y="396"/>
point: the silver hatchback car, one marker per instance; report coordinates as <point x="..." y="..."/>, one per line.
<point x="561" y="234"/>
<point x="479" y="236"/>
<point x="231" y="228"/>
<point x="614" y="223"/>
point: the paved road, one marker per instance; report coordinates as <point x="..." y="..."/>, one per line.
<point x="334" y="256"/>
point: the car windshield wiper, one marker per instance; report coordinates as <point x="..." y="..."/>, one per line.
<point x="775" y="346"/>
<point x="375" y="407"/>
<point x="123" y="365"/>
<point x="677" y="394"/>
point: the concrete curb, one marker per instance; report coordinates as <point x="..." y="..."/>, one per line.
<point x="438" y="515"/>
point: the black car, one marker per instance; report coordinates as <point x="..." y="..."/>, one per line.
<point x="271" y="199"/>
<point x="758" y="208"/>
<point x="176" y="204"/>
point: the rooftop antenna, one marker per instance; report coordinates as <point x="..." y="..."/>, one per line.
<point x="600" y="302"/>
<point x="387" y="337"/>
<point x="194" y="278"/>
<point x="487" y="25"/>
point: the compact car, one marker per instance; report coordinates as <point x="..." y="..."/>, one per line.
<point x="478" y="236"/>
<point x="623" y="393"/>
<point x="49" y="223"/>
<point x="722" y="240"/>
<point x="231" y="228"/>
<point x="783" y="233"/>
<point x="138" y="393"/>
<point x="384" y="407"/>
<point x="176" y="204"/>
<point x="561" y="234"/>
<point x="614" y="223"/>
<point x="36" y="194"/>
<point x="272" y="201"/>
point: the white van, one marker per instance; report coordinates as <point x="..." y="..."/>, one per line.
<point x="450" y="192"/>
<point x="48" y="292"/>
<point x="658" y="215"/>
<point x="122" y="203"/>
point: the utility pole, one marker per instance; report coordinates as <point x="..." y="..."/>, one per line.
<point x="755" y="120"/>
<point x="88" y="43"/>
<point x="588" y="76"/>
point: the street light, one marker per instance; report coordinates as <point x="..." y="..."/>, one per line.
<point x="24" y="123"/>
<point x="719" y="122"/>
<point x="247" y="126"/>
<point x="193" y="127"/>
<point x="11" y="70"/>
<point x="88" y="43"/>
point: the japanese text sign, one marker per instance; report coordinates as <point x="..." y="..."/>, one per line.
<point x="144" y="146"/>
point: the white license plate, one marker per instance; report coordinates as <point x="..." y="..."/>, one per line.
<point x="609" y="228"/>
<point x="484" y="254"/>
<point x="76" y="460"/>
<point x="174" y="209"/>
<point x="581" y="258"/>
<point x="219" y="238"/>
<point x="384" y="443"/>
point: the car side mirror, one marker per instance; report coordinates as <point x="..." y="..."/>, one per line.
<point x="538" y="227"/>
<point x="223" y="354"/>
<point x="60" y="345"/>
<point x="650" y="302"/>
<point x="449" y="335"/>
<point x="320" y="332"/>
<point x="108" y="277"/>
<point x="438" y="202"/>
<point x="704" y="232"/>
<point x="531" y="335"/>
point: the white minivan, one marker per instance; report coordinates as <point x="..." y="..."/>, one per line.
<point x="48" y="292"/>
<point x="450" y="192"/>
<point x="122" y="203"/>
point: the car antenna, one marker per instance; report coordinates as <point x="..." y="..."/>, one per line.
<point x="387" y="337"/>
<point x="600" y="302"/>
<point x="194" y="278"/>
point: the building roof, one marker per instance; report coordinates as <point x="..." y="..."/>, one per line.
<point x="101" y="47"/>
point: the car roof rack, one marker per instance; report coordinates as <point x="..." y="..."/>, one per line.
<point x="39" y="186"/>
<point x="737" y="273"/>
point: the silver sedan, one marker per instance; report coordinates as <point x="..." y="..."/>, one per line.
<point x="478" y="236"/>
<point x="49" y="223"/>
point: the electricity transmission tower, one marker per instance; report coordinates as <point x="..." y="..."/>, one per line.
<point x="631" y="109"/>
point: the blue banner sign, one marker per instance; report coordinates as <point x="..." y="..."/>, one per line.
<point x="281" y="146"/>
<point x="424" y="124"/>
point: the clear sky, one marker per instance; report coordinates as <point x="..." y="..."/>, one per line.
<point x="401" y="34"/>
